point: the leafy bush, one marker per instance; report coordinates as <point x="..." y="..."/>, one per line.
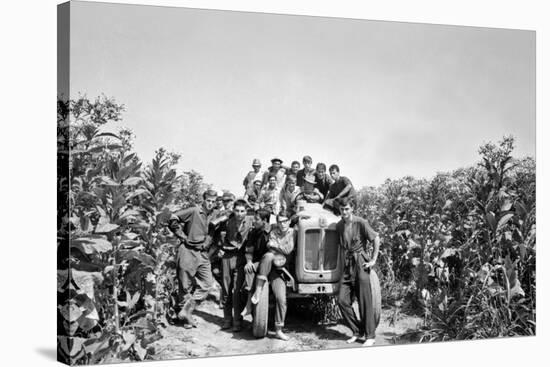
<point x="463" y="243"/>
<point x="115" y="255"/>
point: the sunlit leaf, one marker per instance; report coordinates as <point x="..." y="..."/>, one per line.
<point x="92" y="244"/>
<point x="106" y="227"/>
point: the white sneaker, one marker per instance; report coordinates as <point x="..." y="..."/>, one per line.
<point x="369" y="343"/>
<point x="353" y="339"/>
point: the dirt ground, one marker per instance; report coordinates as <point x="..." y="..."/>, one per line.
<point x="209" y="340"/>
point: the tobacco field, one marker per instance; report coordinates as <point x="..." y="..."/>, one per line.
<point x="458" y="250"/>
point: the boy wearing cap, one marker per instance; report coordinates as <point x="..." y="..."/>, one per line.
<point x="306" y="171"/>
<point x="255" y="174"/>
<point x="192" y="227"/>
<point x="309" y="193"/>
<point x="278" y="170"/>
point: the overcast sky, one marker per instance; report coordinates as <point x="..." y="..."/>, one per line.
<point x="380" y="99"/>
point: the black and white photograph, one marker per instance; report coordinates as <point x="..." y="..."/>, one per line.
<point x="234" y="183"/>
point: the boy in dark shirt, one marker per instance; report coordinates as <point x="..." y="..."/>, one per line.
<point x="342" y="189"/>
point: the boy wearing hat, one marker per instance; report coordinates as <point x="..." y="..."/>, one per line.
<point x="255" y="174"/>
<point x="309" y="193"/>
<point x="278" y="170"/>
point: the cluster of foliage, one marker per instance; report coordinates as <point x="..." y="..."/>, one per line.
<point x="115" y="256"/>
<point x="461" y="246"/>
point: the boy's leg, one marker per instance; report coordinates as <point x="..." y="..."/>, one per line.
<point x="238" y="280"/>
<point x="346" y="309"/>
<point x="366" y="307"/>
<point x="278" y="286"/>
<point x="227" y="288"/>
<point x="263" y="270"/>
<point x="185" y="271"/>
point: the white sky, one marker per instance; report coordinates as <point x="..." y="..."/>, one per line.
<point x="380" y="99"/>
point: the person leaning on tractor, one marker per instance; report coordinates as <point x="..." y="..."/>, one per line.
<point x="355" y="232"/>
<point x="280" y="245"/>
<point x="255" y="249"/>
<point x="340" y="190"/>
<point x="193" y="263"/>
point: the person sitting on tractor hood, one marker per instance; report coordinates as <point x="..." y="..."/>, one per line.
<point x="309" y="193"/>
<point x="342" y="189"/>
<point x="306" y="171"/>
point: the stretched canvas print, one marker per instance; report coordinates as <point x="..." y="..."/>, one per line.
<point x="234" y="183"/>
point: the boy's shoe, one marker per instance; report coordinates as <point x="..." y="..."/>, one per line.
<point x="280" y="335"/>
<point x="355" y="338"/>
<point x="237" y="328"/>
<point x="369" y="343"/>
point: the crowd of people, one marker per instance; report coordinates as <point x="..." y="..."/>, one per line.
<point x="234" y="241"/>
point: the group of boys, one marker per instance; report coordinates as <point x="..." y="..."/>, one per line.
<point x="252" y="251"/>
<point x="280" y="188"/>
<point x="240" y="242"/>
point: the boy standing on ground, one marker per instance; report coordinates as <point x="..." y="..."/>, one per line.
<point x="193" y="263"/>
<point x="359" y="258"/>
<point x="232" y="253"/>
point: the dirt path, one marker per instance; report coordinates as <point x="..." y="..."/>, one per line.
<point x="209" y="340"/>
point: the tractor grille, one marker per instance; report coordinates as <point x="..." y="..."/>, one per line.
<point x="321" y="250"/>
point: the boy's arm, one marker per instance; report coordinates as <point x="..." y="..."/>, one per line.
<point x="283" y="245"/>
<point x="178" y="218"/>
<point x="346" y="189"/>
